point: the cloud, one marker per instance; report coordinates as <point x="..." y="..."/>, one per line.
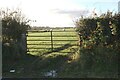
<point x="73" y="13"/>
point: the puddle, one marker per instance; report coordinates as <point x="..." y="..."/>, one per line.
<point x="51" y="73"/>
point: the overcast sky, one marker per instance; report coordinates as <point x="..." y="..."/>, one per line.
<point x="60" y="13"/>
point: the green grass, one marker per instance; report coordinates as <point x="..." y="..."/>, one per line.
<point x="68" y="34"/>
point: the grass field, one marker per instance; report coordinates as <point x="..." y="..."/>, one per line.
<point x="63" y="41"/>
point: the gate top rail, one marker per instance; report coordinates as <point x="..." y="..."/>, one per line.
<point x="49" y="36"/>
<point x="50" y="31"/>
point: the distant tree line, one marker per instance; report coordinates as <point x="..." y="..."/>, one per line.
<point x="48" y="28"/>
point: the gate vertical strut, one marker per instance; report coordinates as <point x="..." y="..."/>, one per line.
<point x="51" y="41"/>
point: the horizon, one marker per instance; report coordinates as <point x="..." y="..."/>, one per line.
<point x="60" y="13"/>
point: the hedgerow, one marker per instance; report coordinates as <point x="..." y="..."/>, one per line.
<point x="99" y="39"/>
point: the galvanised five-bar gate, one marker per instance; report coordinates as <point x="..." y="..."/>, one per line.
<point x="53" y="40"/>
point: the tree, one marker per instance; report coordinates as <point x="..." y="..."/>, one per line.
<point x="13" y="24"/>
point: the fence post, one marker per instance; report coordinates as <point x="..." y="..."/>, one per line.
<point x="51" y="40"/>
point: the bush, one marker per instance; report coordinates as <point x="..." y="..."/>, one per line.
<point x="14" y="24"/>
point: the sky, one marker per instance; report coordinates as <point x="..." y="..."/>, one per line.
<point x="59" y="13"/>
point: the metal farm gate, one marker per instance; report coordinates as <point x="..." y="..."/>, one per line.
<point x="53" y="40"/>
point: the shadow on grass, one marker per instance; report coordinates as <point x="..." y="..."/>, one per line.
<point x="58" y="49"/>
<point x="33" y="66"/>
